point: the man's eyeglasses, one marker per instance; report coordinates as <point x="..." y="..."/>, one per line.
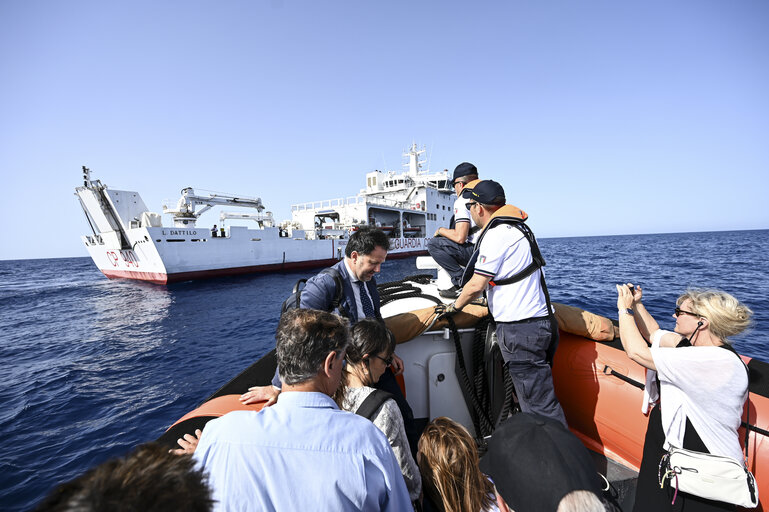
<point x="387" y="360"/>
<point x="679" y="312"/>
<point x="469" y="205"/>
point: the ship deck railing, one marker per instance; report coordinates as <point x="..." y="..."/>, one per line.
<point x="350" y="201"/>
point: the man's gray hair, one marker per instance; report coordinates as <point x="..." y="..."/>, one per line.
<point x="303" y="340"/>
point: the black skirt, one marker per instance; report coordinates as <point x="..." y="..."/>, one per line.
<point x="649" y="496"/>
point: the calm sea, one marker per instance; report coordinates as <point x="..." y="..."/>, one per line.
<point x="92" y="367"/>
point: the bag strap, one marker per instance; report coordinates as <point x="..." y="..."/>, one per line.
<point x="297" y="293"/>
<point x="372" y="403"/>
<point x="731" y="349"/>
<point x="336" y="302"/>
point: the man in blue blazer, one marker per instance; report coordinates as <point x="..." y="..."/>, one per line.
<point x="365" y="252"/>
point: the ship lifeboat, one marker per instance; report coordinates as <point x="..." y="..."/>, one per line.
<point x="599" y="387"/>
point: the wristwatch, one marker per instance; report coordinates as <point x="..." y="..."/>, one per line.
<point x="626" y="310"/>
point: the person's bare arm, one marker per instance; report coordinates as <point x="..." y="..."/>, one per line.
<point x="632" y="341"/>
<point x="471" y="290"/>
<point x="458" y="234"/>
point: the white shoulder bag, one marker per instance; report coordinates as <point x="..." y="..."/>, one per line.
<point x="713" y="477"/>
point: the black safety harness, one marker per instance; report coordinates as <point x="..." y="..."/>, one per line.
<point x="538" y="261"/>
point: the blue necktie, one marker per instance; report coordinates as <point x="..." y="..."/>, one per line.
<point x="368" y="308"/>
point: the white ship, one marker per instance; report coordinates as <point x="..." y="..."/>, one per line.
<point x="129" y="241"/>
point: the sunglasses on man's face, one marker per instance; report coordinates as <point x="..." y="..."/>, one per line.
<point x="469" y="205"/>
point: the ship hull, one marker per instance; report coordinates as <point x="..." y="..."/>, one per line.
<point x="167" y="255"/>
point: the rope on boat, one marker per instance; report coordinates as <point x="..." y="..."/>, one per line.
<point x="401" y="289"/>
<point x="407" y="294"/>
<point x="481" y="420"/>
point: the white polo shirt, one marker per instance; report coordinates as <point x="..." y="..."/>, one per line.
<point x="462" y="214"/>
<point x="503" y="253"/>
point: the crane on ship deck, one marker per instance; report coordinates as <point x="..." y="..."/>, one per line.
<point x="185" y="214"/>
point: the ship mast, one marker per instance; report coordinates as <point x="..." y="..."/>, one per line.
<point x="414" y="164"/>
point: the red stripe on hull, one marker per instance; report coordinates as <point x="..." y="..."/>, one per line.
<point x="159" y="278"/>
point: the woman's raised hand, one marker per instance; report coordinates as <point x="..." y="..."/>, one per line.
<point x="624" y="297"/>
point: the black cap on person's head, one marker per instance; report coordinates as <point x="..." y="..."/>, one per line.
<point x="486" y="192"/>
<point x="464" y="169"/>
<point x="535" y="461"/>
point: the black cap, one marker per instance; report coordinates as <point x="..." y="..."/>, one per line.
<point x="535" y="461"/>
<point x="486" y="192"/>
<point x="464" y="169"/>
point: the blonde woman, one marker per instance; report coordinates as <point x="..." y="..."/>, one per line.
<point x="452" y="480"/>
<point x="703" y="385"/>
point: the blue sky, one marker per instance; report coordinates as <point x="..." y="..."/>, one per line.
<point x="598" y="117"/>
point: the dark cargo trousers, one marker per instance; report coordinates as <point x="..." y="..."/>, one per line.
<point x="453" y="257"/>
<point x="527" y="348"/>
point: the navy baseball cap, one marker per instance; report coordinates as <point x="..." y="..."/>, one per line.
<point x="464" y="169"/>
<point x="485" y="192"/>
<point x="535" y="461"/>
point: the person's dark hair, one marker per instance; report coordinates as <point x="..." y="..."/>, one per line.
<point x="365" y="240"/>
<point x="303" y="340"/>
<point x="149" y="479"/>
<point x="495" y="204"/>
<point x="369" y="336"/>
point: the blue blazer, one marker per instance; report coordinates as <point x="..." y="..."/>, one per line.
<point x="319" y="293"/>
<point x="320" y="290"/>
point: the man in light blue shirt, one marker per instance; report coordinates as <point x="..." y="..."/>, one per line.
<point x="303" y="453"/>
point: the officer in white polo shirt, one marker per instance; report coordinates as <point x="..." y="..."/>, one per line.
<point x="507" y="267"/>
<point x="452" y="247"/>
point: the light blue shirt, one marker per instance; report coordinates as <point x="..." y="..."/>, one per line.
<point x="303" y="453"/>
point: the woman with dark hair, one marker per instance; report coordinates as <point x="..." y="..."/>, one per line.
<point x="697" y="381"/>
<point x="448" y="461"/>
<point x="369" y="354"/>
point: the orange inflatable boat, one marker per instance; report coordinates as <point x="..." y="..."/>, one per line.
<point x="599" y="387"/>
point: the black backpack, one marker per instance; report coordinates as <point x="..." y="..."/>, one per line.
<point x="294" y="300"/>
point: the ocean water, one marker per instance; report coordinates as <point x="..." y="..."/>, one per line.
<point x="93" y="367"/>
